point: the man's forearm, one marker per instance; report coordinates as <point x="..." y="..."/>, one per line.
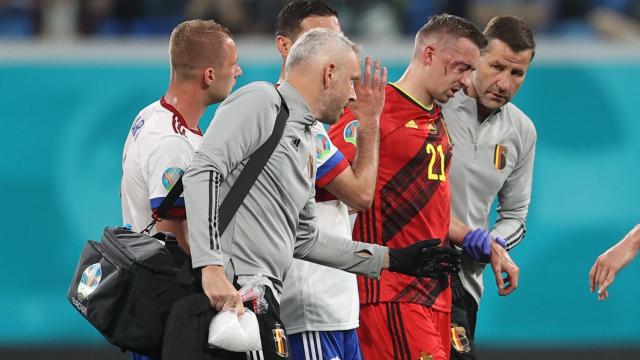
<point x="633" y="237"/>
<point x="365" y="164"/>
<point x="511" y="230"/>
<point x="177" y="227"/>
<point x="355" y="186"/>
<point x="457" y="231"/>
<point x="345" y="254"/>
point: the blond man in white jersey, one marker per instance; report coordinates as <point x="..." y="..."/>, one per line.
<point x="165" y="134"/>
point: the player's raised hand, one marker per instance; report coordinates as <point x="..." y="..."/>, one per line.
<point x="424" y="259"/>
<point x="370" y="93"/>
<point x="607" y="266"/>
<point x="501" y="263"/>
<point x="221" y="293"/>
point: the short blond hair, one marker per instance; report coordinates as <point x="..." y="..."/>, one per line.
<point x="195" y="45"/>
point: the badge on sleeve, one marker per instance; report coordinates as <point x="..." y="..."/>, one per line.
<point x="171" y="176"/>
<point x="323" y="146"/>
<point x="350" y="132"/>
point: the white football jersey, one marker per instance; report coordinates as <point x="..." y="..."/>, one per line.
<point x="158" y="149"/>
<point x="316" y="297"/>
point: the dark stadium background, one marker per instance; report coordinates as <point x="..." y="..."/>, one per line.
<point x="73" y="74"/>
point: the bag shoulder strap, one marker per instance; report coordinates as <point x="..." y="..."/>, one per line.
<point x="239" y="190"/>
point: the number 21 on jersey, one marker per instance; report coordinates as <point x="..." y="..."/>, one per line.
<point x="434" y="152"/>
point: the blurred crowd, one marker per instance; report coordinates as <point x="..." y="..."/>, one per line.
<point x="386" y="19"/>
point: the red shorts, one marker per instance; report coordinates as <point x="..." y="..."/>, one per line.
<point x="403" y="331"/>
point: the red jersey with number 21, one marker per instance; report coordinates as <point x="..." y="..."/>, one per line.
<point x="411" y="201"/>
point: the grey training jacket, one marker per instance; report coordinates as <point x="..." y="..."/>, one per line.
<point x="276" y="221"/>
<point x="492" y="158"/>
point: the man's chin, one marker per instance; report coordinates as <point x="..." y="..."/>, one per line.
<point x="329" y="121"/>
<point x="494" y="104"/>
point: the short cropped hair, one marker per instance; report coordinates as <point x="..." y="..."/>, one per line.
<point x="196" y="44"/>
<point x="452" y="26"/>
<point x="318" y="44"/>
<point x="291" y="16"/>
<point x="513" y="31"/>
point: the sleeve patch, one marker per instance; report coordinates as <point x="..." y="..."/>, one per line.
<point x="171" y="176"/>
<point x="333" y="162"/>
<point x="323" y="147"/>
<point x="350" y="132"/>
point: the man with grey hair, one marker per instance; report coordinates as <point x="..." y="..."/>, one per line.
<point x="276" y="220"/>
<point x="320" y="305"/>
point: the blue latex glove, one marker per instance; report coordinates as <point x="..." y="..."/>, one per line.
<point x="477" y="244"/>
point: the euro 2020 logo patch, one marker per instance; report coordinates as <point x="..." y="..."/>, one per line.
<point x="351" y="132"/>
<point x="171" y="176"/>
<point x="90" y="280"/>
<point x="323" y="146"/>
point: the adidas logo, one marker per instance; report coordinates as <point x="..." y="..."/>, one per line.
<point x="295" y="143"/>
<point x="411" y="124"/>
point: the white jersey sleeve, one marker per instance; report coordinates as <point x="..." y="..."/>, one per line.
<point x="329" y="159"/>
<point x="165" y="165"/>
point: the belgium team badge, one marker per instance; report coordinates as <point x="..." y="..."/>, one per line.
<point x="459" y="339"/>
<point x="425" y="356"/>
<point x="500" y="157"/>
<point x="280" y="340"/>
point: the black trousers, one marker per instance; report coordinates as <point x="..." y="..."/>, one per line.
<point x="187" y="330"/>
<point x="464" y="310"/>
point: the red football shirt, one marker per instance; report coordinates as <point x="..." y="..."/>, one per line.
<point x="411" y="200"/>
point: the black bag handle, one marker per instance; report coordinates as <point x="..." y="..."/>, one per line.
<point x="242" y="185"/>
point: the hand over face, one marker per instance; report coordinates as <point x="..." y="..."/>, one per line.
<point x="370" y="94"/>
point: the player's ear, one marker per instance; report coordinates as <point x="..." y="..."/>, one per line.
<point x="428" y="53"/>
<point x="209" y="76"/>
<point x="329" y="75"/>
<point x="283" y="44"/>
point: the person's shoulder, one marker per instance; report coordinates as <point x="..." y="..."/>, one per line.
<point x="259" y="89"/>
<point x="160" y="122"/>
<point x="520" y="121"/>
<point x="254" y="97"/>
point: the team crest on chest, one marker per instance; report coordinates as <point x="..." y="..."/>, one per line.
<point x="500" y="157"/>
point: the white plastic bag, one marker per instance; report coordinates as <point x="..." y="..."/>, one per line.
<point x="229" y="332"/>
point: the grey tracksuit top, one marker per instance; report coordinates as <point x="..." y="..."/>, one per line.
<point x="276" y="221"/>
<point x="492" y="158"/>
